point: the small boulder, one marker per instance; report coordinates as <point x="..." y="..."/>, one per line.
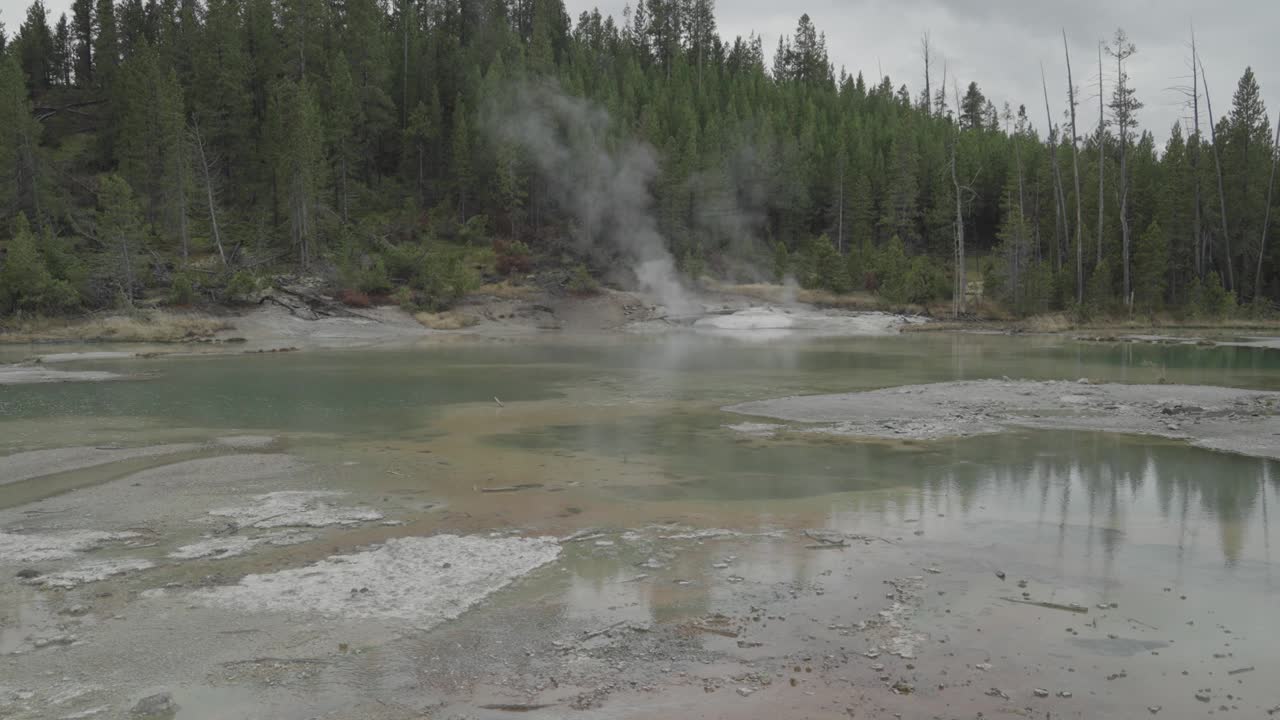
<point x="160" y="705"/>
<point x="28" y="573"/>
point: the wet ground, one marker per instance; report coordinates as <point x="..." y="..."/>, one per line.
<point x="670" y="566"/>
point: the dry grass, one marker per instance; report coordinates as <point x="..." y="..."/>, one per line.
<point x="448" y="320"/>
<point x="1051" y="323"/>
<point x="143" y="326"/>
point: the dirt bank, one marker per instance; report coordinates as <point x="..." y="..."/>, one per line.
<point x="1240" y="421"/>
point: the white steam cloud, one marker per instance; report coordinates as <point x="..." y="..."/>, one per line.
<point x="600" y="180"/>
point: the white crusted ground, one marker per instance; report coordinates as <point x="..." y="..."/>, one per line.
<point x="28" y="374"/>
<point x="1240" y="421"/>
<point x="91" y="572"/>
<point x="769" y="320"/>
<point x="424" y="580"/>
<point x="44" y="547"/>
<point x="296" y="508"/>
<point x="231" y="546"/>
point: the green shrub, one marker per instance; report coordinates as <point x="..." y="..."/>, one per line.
<point x="25" y="280"/>
<point x="1218" y="303"/>
<point x="403" y="297"/>
<point x="581" y="282"/>
<point x="820" y="266"/>
<point x="403" y="261"/>
<point x="444" y="277"/>
<point x="241" y="286"/>
<point x="1099" y="291"/>
<point x="692" y="264"/>
<point x="781" y="261"/>
<point x="182" y="291"/>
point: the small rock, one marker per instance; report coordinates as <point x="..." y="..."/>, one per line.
<point x="155" y="706"/>
<point x="1000" y="574"/>
<point x="1153" y="709"/>
<point x="28" y="573"/>
<point x="997" y="692"/>
<point x="1040" y="692"/>
<point x="1202" y="696"/>
<point x="745" y="691"/>
<point x="1064" y="693"/>
<point x="983" y="666"/>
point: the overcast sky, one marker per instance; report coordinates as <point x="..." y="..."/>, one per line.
<point x="1000" y="43"/>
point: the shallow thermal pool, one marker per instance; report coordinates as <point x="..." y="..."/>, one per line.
<point x="245" y="533"/>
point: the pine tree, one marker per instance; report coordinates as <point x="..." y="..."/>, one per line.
<point x="35" y="48"/>
<point x="62" y="52"/>
<point x="106" y="43"/>
<point x="300" y="162"/>
<point x="973" y="108"/>
<point x="1150" y="269"/>
<point x="176" y="165"/>
<point x="223" y="109"/>
<point x="137" y="152"/>
<point x="82" y="20"/>
<point x="901" y="210"/>
<point x="304" y="22"/>
<point x="421" y="139"/>
<point x="1246" y="163"/>
<point x="121" y="231"/>
<point x="460" y="157"/>
<point x="19" y="145"/>
<point x="343" y="118"/>
<point x="131" y="24"/>
<point x="26" y="284"/>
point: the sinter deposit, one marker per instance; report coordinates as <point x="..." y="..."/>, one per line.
<point x="1241" y="421"/>
<point x="425" y="580"/>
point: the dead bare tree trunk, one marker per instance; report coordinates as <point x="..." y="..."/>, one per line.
<point x="924" y="49"/>
<point x="128" y="268"/>
<point x="840" y="211"/>
<point x="962" y="284"/>
<point x="1060" y="227"/>
<point x="1075" y="163"/>
<point x="1222" y="193"/>
<point x="961" y="280"/>
<point x="1022" y="211"/>
<point x="342" y="184"/>
<point x="1102" y="158"/>
<point x="1123" y="106"/>
<point x="184" y="230"/>
<point x="207" y="172"/>
<point x="1266" y="217"/>
<point x="1201" y="245"/>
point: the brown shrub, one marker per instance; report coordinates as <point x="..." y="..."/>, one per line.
<point x="354" y="298"/>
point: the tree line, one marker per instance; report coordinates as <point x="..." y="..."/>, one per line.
<point x="187" y="146"/>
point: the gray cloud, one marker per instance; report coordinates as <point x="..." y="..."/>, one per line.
<point x="1001" y="43"/>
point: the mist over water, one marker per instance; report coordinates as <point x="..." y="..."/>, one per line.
<point x="601" y="180"/>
